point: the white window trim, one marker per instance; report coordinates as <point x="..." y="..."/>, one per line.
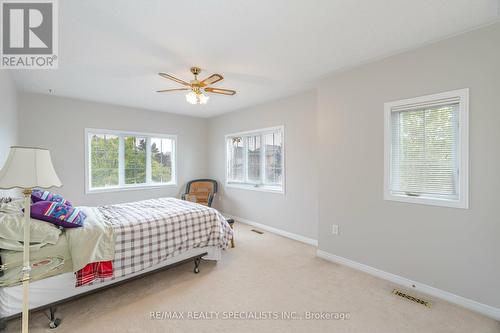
<point x="462" y="147"/>
<point x="121" y="186"/>
<point x="258" y="187"/>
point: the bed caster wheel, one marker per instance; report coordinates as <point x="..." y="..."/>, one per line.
<point x="55" y="323"/>
<point x="197" y="265"/>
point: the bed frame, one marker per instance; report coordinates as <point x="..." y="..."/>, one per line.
<point x="54" y="321"/>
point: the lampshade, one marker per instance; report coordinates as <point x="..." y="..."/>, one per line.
<point x="28" y="167"/>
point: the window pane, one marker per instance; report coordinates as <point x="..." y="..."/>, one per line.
<point x="423" y="151"/>
<point x="161" y="160"/>
<point x="103" y="160"/>
<point x="235" y="153"/>
<point x="135" y="160"/>
<point x="253" y="158"/>
<point x="273" y="158"/>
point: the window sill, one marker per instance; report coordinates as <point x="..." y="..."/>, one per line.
<point x="260" y="188"/>
<point x="442" y="202"/>
<point x="129" y="188"/>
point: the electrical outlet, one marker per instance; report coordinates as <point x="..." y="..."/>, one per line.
<point x="335" y="229"/>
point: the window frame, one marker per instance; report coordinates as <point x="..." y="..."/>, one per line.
<point x="462" y="147"/>
<point x="121" y="156"/>
<point x="251" y="186"/>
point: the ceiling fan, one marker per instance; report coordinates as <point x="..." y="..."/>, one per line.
<point x="196" y="87"/>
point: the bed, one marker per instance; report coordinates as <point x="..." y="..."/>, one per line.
<point x="137" y="238"/>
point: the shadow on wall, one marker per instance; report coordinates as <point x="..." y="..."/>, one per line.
<point x="223" y="197"/>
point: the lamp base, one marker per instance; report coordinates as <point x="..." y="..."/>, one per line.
<point x="26" y="259"/>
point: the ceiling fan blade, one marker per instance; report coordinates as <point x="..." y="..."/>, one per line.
<point x="220" y="91"/>
<point x="173" y="78"/>
<point x="177" y="89"/>
<point x="213" y="79"/>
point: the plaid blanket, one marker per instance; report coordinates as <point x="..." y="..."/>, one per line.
<point x="96" y="270"/>
<point x="150" y="231"/>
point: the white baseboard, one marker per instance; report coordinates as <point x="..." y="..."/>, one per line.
<point x="310" y="241"/>
<point x="484" y="309"/>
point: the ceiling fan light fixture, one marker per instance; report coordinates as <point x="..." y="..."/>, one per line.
<point x="203" y="98"/>
<point x="191" y="97"/>
<point x="196" y="87"/>
<point x="196" y="98"/>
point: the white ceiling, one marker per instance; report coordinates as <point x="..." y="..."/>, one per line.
<point x="110" y="51"/>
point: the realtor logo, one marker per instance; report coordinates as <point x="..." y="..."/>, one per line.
<point x="29" y="34"/>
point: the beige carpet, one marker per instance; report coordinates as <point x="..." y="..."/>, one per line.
<point x="263" y="273"/>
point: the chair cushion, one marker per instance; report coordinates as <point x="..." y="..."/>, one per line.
<point x="202" y="191"/>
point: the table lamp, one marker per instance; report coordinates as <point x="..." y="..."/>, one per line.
<point x="27" y="168"/>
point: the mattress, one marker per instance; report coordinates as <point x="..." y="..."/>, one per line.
<point x="61" y="286"/>
<point x="48" y="261"/>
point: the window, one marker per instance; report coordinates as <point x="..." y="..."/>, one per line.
<point x="126" y="160"/>
<point x="255" y="159"/>
<point x="135" y="159"/>
<point x="426" y="150"/>
<point x="104" y="151"/>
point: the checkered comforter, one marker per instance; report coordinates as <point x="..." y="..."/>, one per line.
<point x="150" y="231"/>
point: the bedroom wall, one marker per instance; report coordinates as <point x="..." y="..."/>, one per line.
<point x="8" y="121"/>
<point x="58" y="123"/>
<point x="296" y="210"/>
<point x="452" y="249"/>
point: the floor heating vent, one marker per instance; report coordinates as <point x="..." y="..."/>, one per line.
<point x="257" y="231"/>
<point x="412" y="298"/>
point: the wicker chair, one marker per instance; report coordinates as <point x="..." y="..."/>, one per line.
<point x="203" y="191"/>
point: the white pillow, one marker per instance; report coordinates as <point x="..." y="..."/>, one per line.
<point x="12" y="228"/>
<point x="7" y="244"/>
<point x="14" y="206"/>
